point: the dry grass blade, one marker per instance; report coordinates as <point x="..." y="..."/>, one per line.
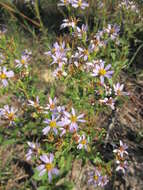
<point x="12" y="10"/>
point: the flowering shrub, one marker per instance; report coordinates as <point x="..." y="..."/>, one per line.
<point x="87" y="63"/>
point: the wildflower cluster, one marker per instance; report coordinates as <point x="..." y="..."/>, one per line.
<point x="121" y="154"/>
<point x="129" y="5"/>
<point x="97" y="179"/>
<point x="82" y="4"/>
<point x="59" y="122"/>
<point x="85" y="65"/>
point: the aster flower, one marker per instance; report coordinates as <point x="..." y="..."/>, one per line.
<point x="129" y="5"/>
<point x="122" y="165"/>
<point x="104" y="180"/>
<point x="95" y="178"/>
<point x="82" y="142"/>
<point x="59" y="72"/>
<point x="112" y="31"/>
<point x="102" y="71"/>
<point x="23" y="62"/>
<point x="121" y="150"/>
<point x="47" y="166"/>
<point x="61" y="109"/>
<point x="72" y="120"/>
<point x="97" y="42"/>
<point x="109" y="102"/>
<point x="35" y="104"/>
<point x="59" y="59"/>
<point x="52" y="104"/>
<point x="5" y="75"/>
<point x="83" y="53"/>
<point x="52" y="125"/>
<point x="9" y="113"/>
<point x="64" y="129"/>
<point x="34" y="149"/>
<point x="64" y="3"/>
<point x="58" y="53"/>
<point x="58" y="47"/>
<point x="90" y="66"/>
<point x="71" y="22"/>
<point x="118" y="89"/>
<point x="26" y="52"/>
<point x="108" y="90"/>
<point x="81" y="32"/>
<point x="80" y="4"/>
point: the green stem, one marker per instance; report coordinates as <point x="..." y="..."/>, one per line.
<point x="135" y="54"/>
<point x="38" y="13"/>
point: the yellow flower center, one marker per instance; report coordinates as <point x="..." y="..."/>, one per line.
<point x="52" y="106"/>
<point x="85" y="52"/>
<point x="83" y="142"/>
<point x="73" y="118"/>
<point x="102" y="72"/>
<point x="112" y="31"/>
<point x="65" y="1"/>
<point x="53" y="124"/>
<point x="10" y="116"/>
<point x="49" y="166"/>
<point x="3" y="76"/>
<point x="23" y="61"/>
<point x="121" y="149"/>
<point x="96" y="177"/>
<point x="79" y="3"/>
<point x="118" y="92"/>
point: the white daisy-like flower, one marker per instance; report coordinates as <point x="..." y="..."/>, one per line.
<point x="102" y="71"/>
<point x="34" y="149"/>
<point x="81" y="33"/>
<point x="5" y="75"/>
<point x="35" y="104"/>
<point x="118" y="89"/>
<point x="52" y="125"/>
<point x="121" y="150"/>
<point x="52" y="104"/>
<point x="9" y="113"/>
<point x="71" y="22"/>
<point x="80" y="4"/>
<point x="82" y="142"/>
<point x="23" y="62"/>
<point x="47" y="166"/>
<point x="83" y="53"/>
<point x="122" y="165"/>
<point x="59" y="72"/>
<point x="72" y="120"/>
<point x="109" y="102"/>
<point x="64" y="3"/>
<point x="112" y="31"/>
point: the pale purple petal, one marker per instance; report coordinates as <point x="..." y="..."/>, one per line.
<point x="46" y="130"/>
<point x="42" y="172"/>
<point x="50" y="176"/>
<point x="73" y="111"/>
<point x="4" y="82"/>
<point x="108" y="67"/>
<point x="80" y="116"/>
<point x="55" y="171"/>
<point x="10" y="74"/>
<point x="51" y="158"/>
<point x="44" y="158"/>
<point x="67" y="114"/>
<point x="41" y="167"/>
<point x="102" y="79"/>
